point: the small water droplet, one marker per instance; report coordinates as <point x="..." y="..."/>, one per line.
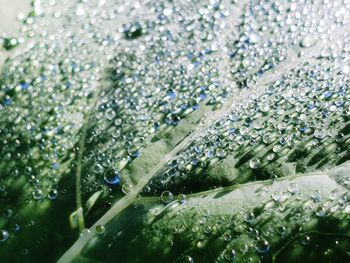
<point x="37" y="194"/>
<point x="100" y="229"/>
<point x="98" y="168"/>
<point x="320" y="211"/>
<point x="254" y="163"/>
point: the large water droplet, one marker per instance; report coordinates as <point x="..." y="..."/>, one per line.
<point x="4" y="235"/>
<point x="53" y="193"/>
<point x="262" y="246"/>
<point x="112" y="177"/>
<point x="167" y="197"/>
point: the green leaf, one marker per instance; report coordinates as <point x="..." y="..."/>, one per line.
<point x="176" y="132"/>
<point x="245" y="222"/>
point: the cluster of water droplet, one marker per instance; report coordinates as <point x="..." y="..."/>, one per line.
<point x="246" y="233"/>
<point x="124" y="70"/>
<point x="128" y="70"/>
<point x="269" y="33"/>
<point x="269" y="29"/>
<point x="165" y="67"/>
<point x="303" y="110"/>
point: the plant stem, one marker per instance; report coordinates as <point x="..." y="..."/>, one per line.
<point x="78" y="177"/>
<point x="80" y="210"/>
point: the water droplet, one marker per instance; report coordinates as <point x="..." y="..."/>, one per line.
<point x="254" y="164"/>
<point x="100" y="229"/>
<point x="207" y="229"/>
<point x="10" y="43"/>
<point x="4" y="235"/>
<point x="281" y="230"/>
<point x="38" y="194"/>
<point x="166" y="197"/>
<point x="262" y="246"/>
<point x="118" y="122"/>
<point x="110" y="114"/>
<point x="112" y="177"/>
<point x="133" y="30"/>
<point x="182" y="198"/>
<point x="320" y="211"/>
<point x="316" y="196"/>
<point x="221" y="153"/>
<point x="171" y="94"/>
<point x="53" y="193"/>
<point x="98" y="169"/>
<point x="249" y="218"/>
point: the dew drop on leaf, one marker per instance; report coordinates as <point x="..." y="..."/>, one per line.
<point x="182" y="198"/>
<point x="281" y="230"/>
<point x="53" y="193"/>
<point x="320" y="211"/>
<point x="166" y="197"/>
<point x="262" y="246"/>
<point x="133" y="30"/>
<point x="254" y="163"/>
<point x="10" y="43"/>
<point x="98" y="168"/>
<point x="221" y="153"/>
<point x="249" y="218"/>
<point x="112" y="177"/>
<point x="100" y="229"/>
<point x="207" y="229"/>
<point x="37" y="194"/>
<point x="4" y="235"/>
